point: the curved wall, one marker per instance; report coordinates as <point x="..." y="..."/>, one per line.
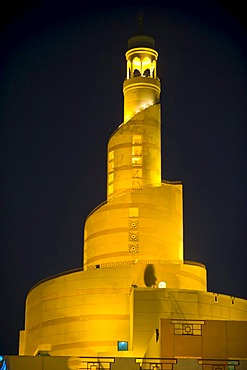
<point x="86" y="313"/>
<point x="134" y="153"/>
<point x="145" y="224"/>
<point x="138" y="93"/>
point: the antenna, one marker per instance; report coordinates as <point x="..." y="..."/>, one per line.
<point x="140" y="21"/>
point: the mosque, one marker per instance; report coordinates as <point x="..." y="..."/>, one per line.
<point x="135" y="296"/>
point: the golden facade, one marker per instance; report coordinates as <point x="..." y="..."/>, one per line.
<point x="136" y="296"/>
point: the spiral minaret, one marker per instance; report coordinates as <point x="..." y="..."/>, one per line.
<point x="134" y="282"/>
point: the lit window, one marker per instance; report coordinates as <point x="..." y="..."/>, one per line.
<point x="136" y="150"/>
<point x="136" y="161"/>
<point x="111" y="177"/>
<point x="111" y="155"/>
<point x="134" y="212"/>
<point x="122" y="346"/>
<point x="111" y="166"/>
<point x="136" y="62"/>
<point x="146" y="62"/>
<point x="136" y="139"/>
<point x="136" y="67"/>
<point x="111" y="161"/>
<point x="110" y="189"/>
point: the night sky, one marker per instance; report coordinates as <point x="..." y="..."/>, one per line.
<point x="62" y="66"/>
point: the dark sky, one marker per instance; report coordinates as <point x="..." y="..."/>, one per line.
<point x="62" y="66"/>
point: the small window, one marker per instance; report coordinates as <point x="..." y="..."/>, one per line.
<point x="136" y="139"/>
<point x="111" y="166"/>
<point x="137" y="150"/>
<point x="136" y="67"/>
<point x="216" y="298"/>
<point x="136" y="161"/>
<point x="111" y="177"/>
<point x="134" y="212"/>
<point x="111" y="155"/>
<point x="122" y="346"/>
<point x="110" y="189"/>
<point x="111" y="161"/>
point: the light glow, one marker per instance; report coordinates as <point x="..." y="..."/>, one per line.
<point x="136" y="62"/>
<point x="162" y="284"/>
<point x="3" y="363"/>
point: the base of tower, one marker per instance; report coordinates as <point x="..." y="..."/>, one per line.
<point x="86" y="313"/>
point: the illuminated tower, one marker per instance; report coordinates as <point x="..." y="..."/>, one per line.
<point x="142" y="218"/>
<point x="135" y="283"/>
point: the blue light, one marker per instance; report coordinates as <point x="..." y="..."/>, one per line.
<point x="3" y="365"/>
<point x="122" y="345"/>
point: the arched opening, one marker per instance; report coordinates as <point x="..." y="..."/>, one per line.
<point x="136" y="73"/>
<point x="146" y="73"/>
<point x="128" y="69"/>
<point x="154" y="69"/>
<point x="146" y="67"/>
<point x="136" y="67"/>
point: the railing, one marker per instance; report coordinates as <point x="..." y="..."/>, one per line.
<point x="120" y="263"/>
<point x="195" y="264"/>
<point x="146" y="262"/>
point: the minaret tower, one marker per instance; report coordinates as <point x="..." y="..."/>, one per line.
<point x="134" y="156"/>
<point x="140" y="92"/>
<point x="133" y="244"/>
<point x="141" y="87"/>
<point x="141" y="221"/>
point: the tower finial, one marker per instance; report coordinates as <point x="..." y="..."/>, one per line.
<point x="140" y="21"/>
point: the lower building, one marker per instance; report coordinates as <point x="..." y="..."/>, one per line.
<point x="91" y="313"/>
<point x="117" y="363"/>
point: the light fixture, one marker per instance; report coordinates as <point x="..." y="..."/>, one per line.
<point x="162" y="284"/>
